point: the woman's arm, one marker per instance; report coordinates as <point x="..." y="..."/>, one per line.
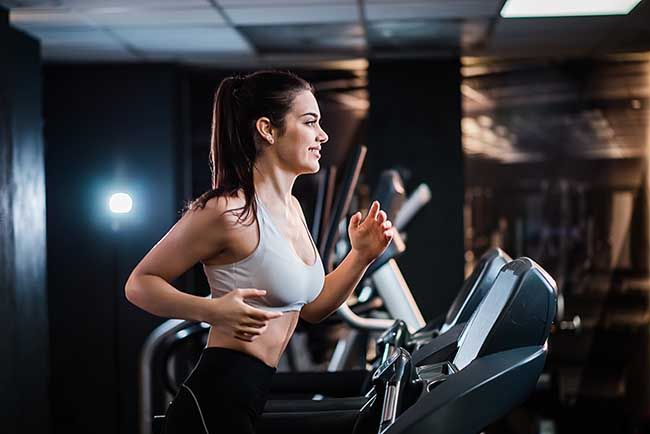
<point x="198" y="235"/>
<point x="369" y="239"/>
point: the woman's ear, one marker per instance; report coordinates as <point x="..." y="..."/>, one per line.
<point x="265" y="129"/>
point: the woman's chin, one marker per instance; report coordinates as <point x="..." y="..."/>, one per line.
<point x="312" y="166"/>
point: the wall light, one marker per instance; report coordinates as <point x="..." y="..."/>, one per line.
<point x="120" y="203"/>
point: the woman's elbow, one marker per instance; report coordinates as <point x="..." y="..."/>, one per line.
<point x="309" y="316"/>
<point x="132" y="290"/>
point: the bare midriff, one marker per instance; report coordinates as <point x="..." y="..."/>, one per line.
<point x="268" y="347"/>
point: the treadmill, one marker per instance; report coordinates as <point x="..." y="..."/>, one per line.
<point x="446" y="386"/>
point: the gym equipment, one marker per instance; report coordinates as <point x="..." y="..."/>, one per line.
<point x="473" y="291"/>
<point x="446" y="386"/>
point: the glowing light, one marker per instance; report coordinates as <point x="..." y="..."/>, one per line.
<point x="564" y="8"/>
<point x="120" y="203"/>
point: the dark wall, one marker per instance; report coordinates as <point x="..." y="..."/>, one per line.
<point x="24" y="370"/>
<point x="107" y="129"/>
<point x="414" y="122"/>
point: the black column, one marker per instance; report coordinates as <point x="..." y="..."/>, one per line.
<point x="109" y="128"/>
<point x="414" y="122"/>
<point x="24" y="367"/>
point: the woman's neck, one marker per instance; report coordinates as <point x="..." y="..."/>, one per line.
<point x="273" y="184"/>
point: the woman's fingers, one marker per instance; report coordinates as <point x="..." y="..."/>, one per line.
<point x="251" y="331"/>
<point x="253" y="323"/>
<point x="250" y="292"/>
<point x="248" y="334"/>
<point x="261" y="315"/>
<point x="355" y="220"/>
<point x="372" y="212"/>
<point x="244" y="338"/>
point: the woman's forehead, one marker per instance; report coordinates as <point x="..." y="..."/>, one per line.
<point x="305" y="102"/>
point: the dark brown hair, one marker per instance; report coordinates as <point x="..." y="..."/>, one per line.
<point x="238" y="103"/>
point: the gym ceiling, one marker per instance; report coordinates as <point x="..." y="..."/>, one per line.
<point x="521" y="100"/>
<point x="255" y="32"/>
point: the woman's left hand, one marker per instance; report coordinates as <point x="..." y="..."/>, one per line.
<point x="370" y="237"/>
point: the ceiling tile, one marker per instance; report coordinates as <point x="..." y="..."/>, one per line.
<point x="629" y="33"/>
<point x="377" y="10"/>
<point x="199" y="39"/>
<point x="306" y="14"/>
<point x="443" y="35"/>
<point x="47" y="18"/>
<point x="29" y="3"/>
<point x="274" y="3"/>
<point x="312" y="38"/>
<point x="80" y="44"/>
<point x="156" y="17"/>
<point x="544" y="36"/>
<point x="94" y="54"/>
<point x="108" y="4"/>
<point x="78" y="37"/>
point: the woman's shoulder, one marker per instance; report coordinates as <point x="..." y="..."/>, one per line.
<point x="229" y="209"/>
<point x="210" y="209"/>
<point x="223" y="204"/>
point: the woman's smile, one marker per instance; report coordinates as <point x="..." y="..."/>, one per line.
<point x="315" y="151"/>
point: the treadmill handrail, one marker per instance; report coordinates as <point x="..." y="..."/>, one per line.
<point x="358" y="322"/>
<point x="159" y="334"/>
<point x="415" y="202"/>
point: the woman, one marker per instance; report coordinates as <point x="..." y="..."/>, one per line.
<point x="249" y="233"/>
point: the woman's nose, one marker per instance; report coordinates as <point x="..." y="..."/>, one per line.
<point x="323" y="136"/>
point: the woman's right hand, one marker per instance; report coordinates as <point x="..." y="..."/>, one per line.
<point x="232" y="315"/>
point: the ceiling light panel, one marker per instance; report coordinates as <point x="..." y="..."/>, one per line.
<point x="288" y="14"/>
<point x="563" y="8"/>
<point x="382" y="10"/>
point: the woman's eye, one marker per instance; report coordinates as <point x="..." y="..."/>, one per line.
<point x="310" y="122"/>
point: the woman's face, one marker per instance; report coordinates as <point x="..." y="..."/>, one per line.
<point x="299" y="147"/>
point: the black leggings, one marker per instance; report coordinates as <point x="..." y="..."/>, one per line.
<point x="225" y="393"/>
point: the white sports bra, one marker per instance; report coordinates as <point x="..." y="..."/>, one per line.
<point x="274" y="267"/>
